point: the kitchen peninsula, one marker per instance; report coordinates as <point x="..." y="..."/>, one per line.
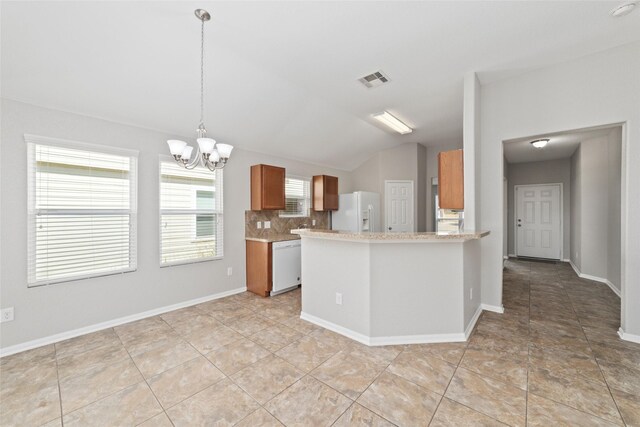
<point x="392" y="288"/>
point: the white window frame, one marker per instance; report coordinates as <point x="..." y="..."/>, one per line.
<point x="32" y="212"/>
<point x="219" y="189"/>
<point x="284" y="214"/>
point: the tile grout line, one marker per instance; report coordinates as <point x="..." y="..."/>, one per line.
<point x="596" y="360"/>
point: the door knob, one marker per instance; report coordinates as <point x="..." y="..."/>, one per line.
<point x="389" y="228"/>
<point x="519" y="225"/>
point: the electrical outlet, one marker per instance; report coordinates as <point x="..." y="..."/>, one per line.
<point x="338" y="298"/>
<point x="6" y="314"/>
<point x="313" y="222"/>
<point x="471" y="293"/>
<point x="229" y="271"/>
<point x="267" y="224"/>
<point x="259" y="224"/>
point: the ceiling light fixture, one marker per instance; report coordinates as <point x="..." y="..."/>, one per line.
<point x="208" y="153"/>
<point x="392" y="122"/>
<point x="540" y="143"/>
<point x="623" y="10"/>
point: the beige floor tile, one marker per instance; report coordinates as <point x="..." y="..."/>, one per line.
<point x="543" y="412"/>
<point x="510" y="368"/>
<point x="565" y="363"/>
<point x="53" y="423"/>
<point x="259" y="418"/>
<point x="279" y="313"/>
<point x="350" y="372"/>
<point x="160" y="420"/>
<point x="23" y="359"/>
<point x="249" y="325"/>
<point x="451" y="413"/>
<point x="581" y="394"/>
<point x="333" y="339"/>
<point x="162" y="358"/>
<point x="629" y="406"/>
<point x="151" y="340"/>
<point x="359" y="416"/>
<point x="130" y="406"/>
<point x="238" y="355"/>
<point x="267" y="378"/>
<point x="82" y="390"/>
<point x="13" y="379"/>
<point x="494" y="398"/>
<point x="450" y="352"/>
<point x="302" y="326"/>
<point x="31" y="405"/>
<point x="276" y="337"/>
<point x="176" y="384"/>
<point x="621" y="377"/>
<point x="199" y="321"/>
<point x="82" y="363"/>
<point x="308" y="402"/>
<point x="229" y="313"/>
<point x="400" y="401"/>
<point x="307" y="353"/>
<point x="133" y="331"/>
<point x="206" y="340"/>
<point x="223" y="404"/>
<point x="86" y="342"/>
<point x="423" y="369"/>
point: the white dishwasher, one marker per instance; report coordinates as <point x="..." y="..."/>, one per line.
<point x="287" y="266"/>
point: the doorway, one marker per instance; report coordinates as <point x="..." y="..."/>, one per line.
<point x="398" y="202"/>
<point x="538" y="221"/>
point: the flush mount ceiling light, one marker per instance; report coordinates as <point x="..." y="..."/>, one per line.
<point x="540" y="143"/>
<point x="392" y="122"/>
<point x="208" y="153"/>
<point x="623" y="10"/>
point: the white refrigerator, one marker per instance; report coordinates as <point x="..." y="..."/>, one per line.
<point x="359" y="211"/>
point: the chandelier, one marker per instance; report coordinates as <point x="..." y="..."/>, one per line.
<point x="208" y="153"/>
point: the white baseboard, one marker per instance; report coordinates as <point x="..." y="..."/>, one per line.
<point x="494" y="308"/>
<point x="395" y="340"/>
<point x="566" y="260"/>
<point x="472" y="323"/>
<point x="595" y="279"/>
<point x="6" y="351"/>
<point x="628" y="337"/>
<point x="505" y="257"/>
<point x="513" y="256"/>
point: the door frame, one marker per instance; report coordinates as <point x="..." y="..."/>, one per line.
<point x="413" y="202"/>
<point x="515" y="216"/>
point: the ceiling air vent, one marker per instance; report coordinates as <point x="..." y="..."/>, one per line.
<point x="374" y="80"/>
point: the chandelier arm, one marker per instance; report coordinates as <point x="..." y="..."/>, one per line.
<point x="211" y="165"/>
<point x="195" y="159"/>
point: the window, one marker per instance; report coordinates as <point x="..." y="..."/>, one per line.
<point x="297" y="193"/>
<point x="81" y="210"/>
<point x="190" y="214"/>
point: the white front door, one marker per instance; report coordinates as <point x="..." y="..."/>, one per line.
<point x="538" y="221"/>
<point x="398" y="200"/>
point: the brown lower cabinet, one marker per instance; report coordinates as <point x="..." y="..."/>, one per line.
<point x="259" y="277"/>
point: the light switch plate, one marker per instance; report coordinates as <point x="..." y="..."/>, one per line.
<point x="313" y="222"/>
<point x="338" y="298"/>
<point x="259" y="224"/>
<point x="6" y="315"/>
<point x="267" y="224"/>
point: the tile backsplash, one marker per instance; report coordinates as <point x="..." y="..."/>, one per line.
<point x="281" y="225"/>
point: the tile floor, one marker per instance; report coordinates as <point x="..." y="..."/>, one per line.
<point x="553" y="358"/>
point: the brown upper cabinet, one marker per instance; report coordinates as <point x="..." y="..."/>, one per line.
<point x="325" y="193"/>
<point x="451" y="180"/>
<point x="267" y="188"/>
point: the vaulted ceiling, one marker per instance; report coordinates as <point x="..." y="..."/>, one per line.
<point x="281" y="77"/>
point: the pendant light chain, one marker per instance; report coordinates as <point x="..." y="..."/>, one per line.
<point x="202" y="74"/>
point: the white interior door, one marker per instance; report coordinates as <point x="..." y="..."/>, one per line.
<point x="538" y="221"/>
<point x="398" y="200"/>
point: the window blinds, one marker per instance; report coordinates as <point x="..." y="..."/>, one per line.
<point x="81" y="210"/>
<point x="297" y="193"/>
<point x="191" y="217"/>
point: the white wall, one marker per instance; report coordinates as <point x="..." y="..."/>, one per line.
<point x="596" y="246"/>
<point x="547" y="172"/>
<point x="48" y="310"/>
<point x="590" y="91"/>
<point x="471" y="127"/>
<point x="432" y="172"/>
<point x="402" y="163"/>
<point x="575" y="254"/>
